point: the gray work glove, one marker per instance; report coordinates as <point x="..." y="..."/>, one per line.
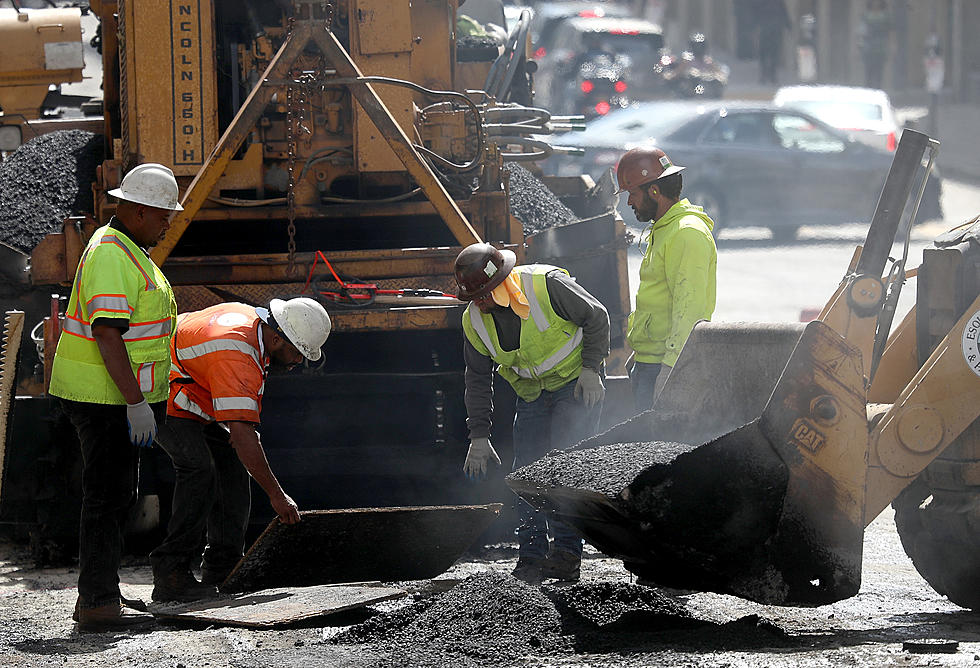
<point x="480" y="451"/>
<point x="661" y="380"/>
<point x="142" y="424"/>
<point x="589" y="388"/>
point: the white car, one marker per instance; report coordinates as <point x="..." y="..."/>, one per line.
<point x="866" y="113"/>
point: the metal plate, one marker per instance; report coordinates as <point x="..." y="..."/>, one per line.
<point x="360" y="544"/>
<point x="273" y="607"/>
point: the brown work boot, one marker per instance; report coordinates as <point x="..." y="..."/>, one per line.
<point x="110" y="617"/>
<point x="179" y="585"/>
<point x="563" y="566"/>
<point x="529" y="571"/>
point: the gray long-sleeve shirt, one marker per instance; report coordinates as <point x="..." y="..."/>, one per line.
<point x="572" y="303"/>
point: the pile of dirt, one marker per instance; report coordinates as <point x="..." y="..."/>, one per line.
<point x="43" y="182"/>
<point x="532" y="203"/>
<point x="486" y="619"/>
<point x="606" y="469"/>
<point x="618" y="606"/>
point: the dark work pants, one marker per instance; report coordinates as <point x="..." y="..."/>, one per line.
<point x="553" y="420"/>
<point x="211" y="493"/>
<point x="110" y="471"/>
<point x="643" y="381"/>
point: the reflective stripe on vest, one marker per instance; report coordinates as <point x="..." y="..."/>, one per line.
<point x="145" y="376"/>
<point x="218" y="345"/>
<point x="117" y="303"/>
<point x="235" y="403"/>
<point x="182" y="401"/>
<point x="138" y="331"/>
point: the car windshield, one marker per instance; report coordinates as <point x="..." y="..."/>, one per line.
<point x="638" y="47"/>
<point x="637" y="123"/>
<point x="839" y="113"/>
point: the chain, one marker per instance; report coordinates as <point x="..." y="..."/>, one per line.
<point x="291" y="171"/>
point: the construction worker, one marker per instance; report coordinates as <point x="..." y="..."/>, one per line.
<point x="677" y="274"/>
<point x="110" y="371"/>
<point x="220" y="357"/>
<point x="546" y="336"/>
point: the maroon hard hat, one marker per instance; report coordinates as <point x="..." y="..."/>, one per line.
<point x="480" y="268"/>
<point x="643" y="165"/>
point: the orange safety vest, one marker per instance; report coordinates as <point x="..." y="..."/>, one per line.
<point x="218" y="365"/>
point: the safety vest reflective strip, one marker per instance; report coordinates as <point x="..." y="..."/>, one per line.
<point x="138" y="331"/>
<point x="235" y="403"/>
<point x="182" y="401"/>
<point x="115" y="303"/>
<point x="145" y="374"/>
<point x="539" y="318"/>
<point x="218" y="345"/>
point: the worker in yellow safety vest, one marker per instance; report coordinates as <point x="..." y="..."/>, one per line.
<point x="110" y="371"/>
<point x="546" y="336"/>
<point x="677" y="274"/>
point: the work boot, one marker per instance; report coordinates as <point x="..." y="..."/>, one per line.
<point x="563" y="566"/>
<point x="181" y="586"/>
<point x="529" y="571"/>
<point x="213" y="578"/>
<point x="110" y="617"/>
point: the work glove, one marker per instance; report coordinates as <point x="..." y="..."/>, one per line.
<point x="480" y="451"/>
<point x="142" y="424"/>
<point x="589" y="388"/>
<point x="661" y="380"/>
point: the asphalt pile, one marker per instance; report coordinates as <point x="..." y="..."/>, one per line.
<point x="487" y="619"/>
<point x="43" y="182"/>
<point x="606" y="469"/>
<point x="532" y="203"/>
<point x="618" y="606"/>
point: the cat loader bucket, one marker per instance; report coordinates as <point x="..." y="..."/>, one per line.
<point x="750" y="474"/>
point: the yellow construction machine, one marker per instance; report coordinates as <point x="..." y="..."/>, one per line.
<point x="345" y="150"/>
<point x="772" y="447"/>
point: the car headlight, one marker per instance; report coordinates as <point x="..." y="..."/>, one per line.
<point x="11" y="137"/>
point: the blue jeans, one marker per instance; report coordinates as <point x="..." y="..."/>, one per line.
<point x="110" y="471"/>
<point x="211" y="493"/>
<point x="643" y="380"/>
<point x="553" y="420"/>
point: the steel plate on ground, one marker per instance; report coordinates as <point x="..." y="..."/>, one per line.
<point x="360" y="544"/>
<point x="274" y="607"/>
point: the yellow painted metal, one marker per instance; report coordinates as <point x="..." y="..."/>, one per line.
<point x="933" y="409"/>
<point x="899" y="363"/>
<point x="381" y="44"/>
<point x="39" y="48"/>
<point x="205" y="180"/>
<point x="171" y="79"/>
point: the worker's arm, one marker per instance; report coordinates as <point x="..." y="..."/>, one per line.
<point x="689" y="261"/>
<point x="572" y="302"/>
<point x="478" y="393"/>
<point x="116" y="359"/>
<point x="245" y="441"/>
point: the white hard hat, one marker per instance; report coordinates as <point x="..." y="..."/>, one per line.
<point x="303" y="321"/>
<point x="150" y="184"/>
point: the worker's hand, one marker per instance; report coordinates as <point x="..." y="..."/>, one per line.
<point x="480" y="451"/>
<point x="589" y="388"/>
<point x="286" y="509"/>
<point x="142" y="424"/>
<point x="661" y="380"/>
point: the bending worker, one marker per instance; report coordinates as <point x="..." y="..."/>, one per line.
<point x="677" y="274"/>
<point x="547" y="337"/>
<point x="220" y="358"/>
<point x="110" y="371"/>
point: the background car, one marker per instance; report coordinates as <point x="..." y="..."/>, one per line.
<point x="632" y="46"/>
<point x="748" y="164"/>
<point x="865" y="113"/>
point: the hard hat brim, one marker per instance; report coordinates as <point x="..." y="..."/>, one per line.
<point x="119" y="194"/>
<point x="510" y="260"/>
<point x="673" y="169"/>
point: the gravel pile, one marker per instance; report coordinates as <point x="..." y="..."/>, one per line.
<point x="604" y="604"/>
<point x="607" y="469"/>
<point x="487" y="619"/>
<point x="43" y="182"/>
<point x="532" y="203"/>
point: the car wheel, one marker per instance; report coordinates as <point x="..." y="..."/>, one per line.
<point x="784" y="234"/>
<point x="709" y="199"/>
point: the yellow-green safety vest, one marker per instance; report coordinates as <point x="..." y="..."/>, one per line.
<point x="550" y="351"/>
<point x="115" y="279"/>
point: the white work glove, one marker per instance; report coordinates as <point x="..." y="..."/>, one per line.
<point x="480" y="451"/>
<point x="661" y="380"/>
<point x="589" y="388"/>
<point x="142" y="424"/>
